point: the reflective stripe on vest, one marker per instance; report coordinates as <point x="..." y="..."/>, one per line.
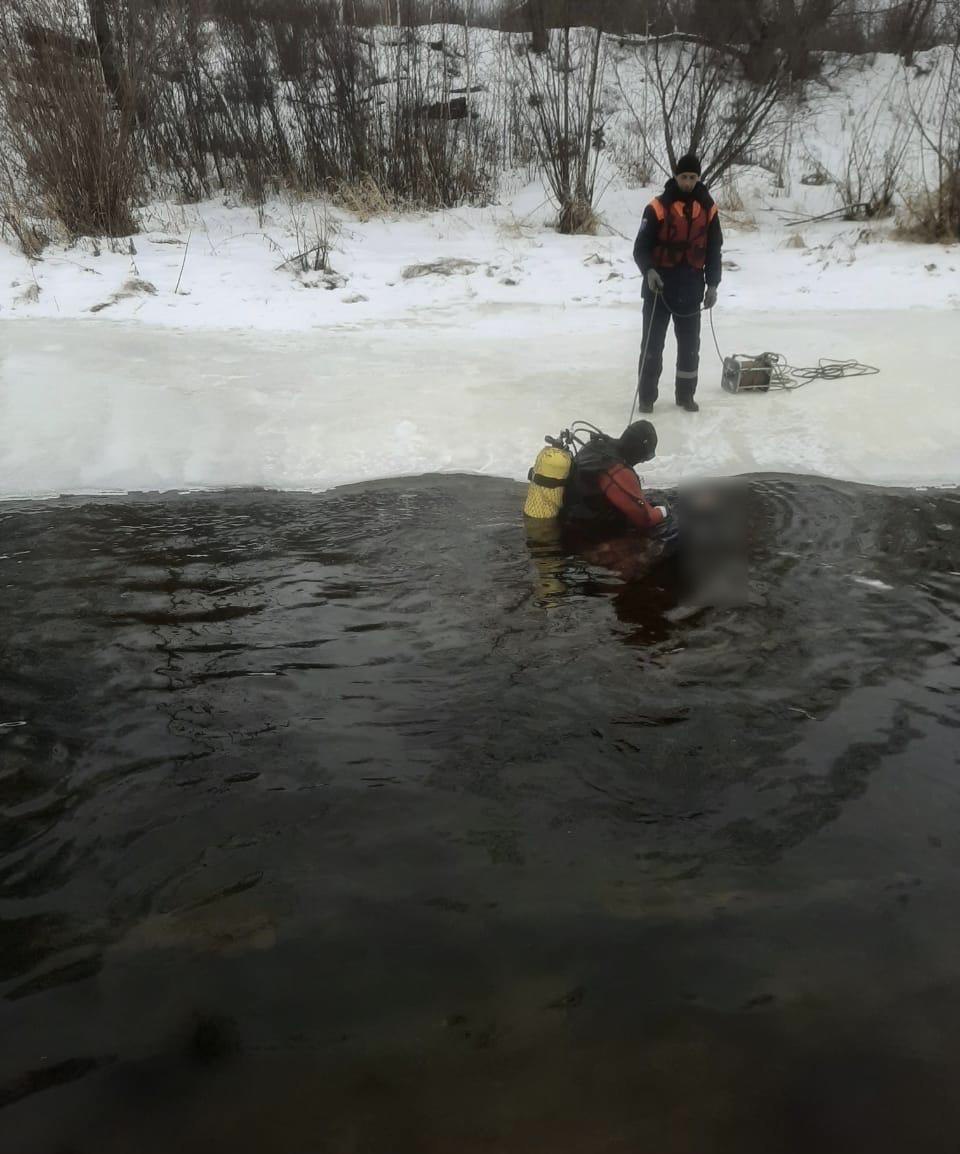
<point x="681" y="239"/>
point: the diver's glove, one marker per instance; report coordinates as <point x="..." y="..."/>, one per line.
<point x="710" y="297"/>
<point x="654" y="281"/>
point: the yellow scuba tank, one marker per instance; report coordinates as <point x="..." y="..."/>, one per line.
<point x="547" y="480"/>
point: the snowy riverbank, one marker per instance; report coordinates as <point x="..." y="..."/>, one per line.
<point x="225" y="259"/>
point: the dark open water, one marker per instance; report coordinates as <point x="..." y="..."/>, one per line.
<point x="352" y="824"/>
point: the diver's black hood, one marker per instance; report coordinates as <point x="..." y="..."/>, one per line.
<point x="636" y="444"/>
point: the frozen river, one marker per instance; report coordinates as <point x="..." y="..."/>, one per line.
<point x="103" y="407"/>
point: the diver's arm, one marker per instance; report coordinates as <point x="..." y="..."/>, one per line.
<point x="620" y="486"/>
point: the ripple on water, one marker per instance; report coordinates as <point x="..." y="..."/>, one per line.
<point x="374" y="820"/>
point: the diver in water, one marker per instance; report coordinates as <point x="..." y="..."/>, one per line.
<point x="602" y="494"/>
<point x="585" y="498"/>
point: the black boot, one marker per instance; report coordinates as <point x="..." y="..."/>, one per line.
<point x="689" y="405"/>
<point x="646" y="406"/>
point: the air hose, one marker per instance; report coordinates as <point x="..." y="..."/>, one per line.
<point x="781" y="376"/>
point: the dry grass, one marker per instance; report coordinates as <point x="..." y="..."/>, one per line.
<point x="742" y="221"/>
<point x="578" y="218"/>
<point x="513" y="227"/>
<point x="729" y="197"/>
<point x="932" y="216"/>
<point x="32" y="238"/>
<point x="365" y="198"/>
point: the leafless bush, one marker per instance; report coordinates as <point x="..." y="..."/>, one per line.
<point x="876" y="148"/>
<point x="314" y="232"/>
<point x="101" y="97"/>
<point x="630" y="152"/>
<point x="933" y="214"/>
<point x="933" y="208"/>
<point x="183" y="139"/>
<point x="72" y="139"/>
<point x="562" y="89"/>
<point x="433" y="150"/>
<point x="260" y="94"/>
<point x="301" y="99"/>
<point x="250" y="95"/>
<point x="730" y="198"/>
<point x="333" y="100"/>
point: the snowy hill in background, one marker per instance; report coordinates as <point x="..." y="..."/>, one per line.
<point x="224" y="264"/>
<point x="454" y="340"/>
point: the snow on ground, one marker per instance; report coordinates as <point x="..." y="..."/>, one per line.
<point x="199" y="355"/>
<point x="247" y="376"/>
<point x="229" y="275"/>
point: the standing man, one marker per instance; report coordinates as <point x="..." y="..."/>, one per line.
<point x="678" y="251"/>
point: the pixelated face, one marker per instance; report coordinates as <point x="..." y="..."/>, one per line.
<point x="687" y="181"/>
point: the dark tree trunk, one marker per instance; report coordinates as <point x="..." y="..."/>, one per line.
<point x="539" y="36"/>
<point x="107" y="48"/>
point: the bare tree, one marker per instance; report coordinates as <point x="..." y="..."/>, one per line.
<point x="704" y="102"/>
<point x="539" y="36"/>
<point x="563" y="88"/>
<point x="114" y="74"/>
<point x="908" y="27"/>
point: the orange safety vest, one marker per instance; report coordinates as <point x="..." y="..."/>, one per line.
<point x="681" y="239"/>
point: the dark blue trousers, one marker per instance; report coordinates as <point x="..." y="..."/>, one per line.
<point x="656" y="321"/>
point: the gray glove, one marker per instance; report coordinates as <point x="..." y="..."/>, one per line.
<point x="654" y="281"/>
<point x="710" y="297"/>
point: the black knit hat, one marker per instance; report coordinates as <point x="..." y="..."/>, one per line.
<point x="689" y="162"/>
<point x="638" y="442"/>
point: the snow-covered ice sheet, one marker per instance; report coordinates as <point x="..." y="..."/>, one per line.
<point x="101" y="407"/>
